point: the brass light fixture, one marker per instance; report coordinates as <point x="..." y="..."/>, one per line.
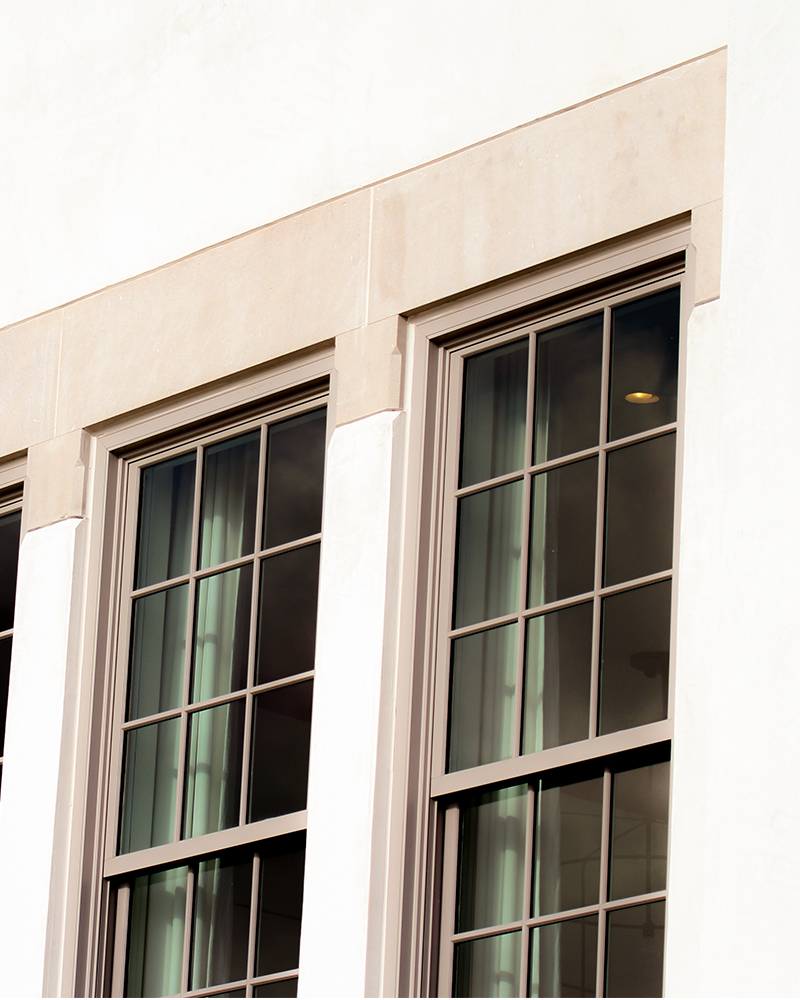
<point x="642" y="397"/>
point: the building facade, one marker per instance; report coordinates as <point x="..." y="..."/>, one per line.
<point x="405" y="528"/>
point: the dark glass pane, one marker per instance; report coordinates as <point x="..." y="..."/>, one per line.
<point x="634" y="657"/>
<point x="228" y="520"/>
<point x="222" y="632"/>
<point x="640" y="490"/>
<point x="280" y="906"/>
<point x="488" y="559"/>
<point x="488" y="967"/>
<point x="166" y="502"/>
<point x="644" y="364"/>
<point x="567" y="859"/>
<point x="287" y="626"/>
<point x="283" y="988"/>
<point x="221" y="925"/>
<point x="635" y="951"/>
<point x="563" y="960"/>
<point x="295" y="465"/>
<point x="558" y="674"/>
<point x="493" y="421"/>
<point x="639" y="831"/>
<point x="5" y="676"/>
<point x="569" y="363"/>
<point x="158" y="646"/>
<point x="9" y="558"/>
<point x="279" y="759"/>
<point x="482" y="697"/>
<point x="214" y="769"/>
<point x="155" y="933"/>
<point x="491" y="859"/>
<point x="231" y="993"/>
<point x="149" y="786"/>
<point x="563" y="532"/>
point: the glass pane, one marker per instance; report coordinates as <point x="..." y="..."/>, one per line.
<point x="488" y="559"/>
<point x="231" y="993"/>
<point x="166" y="503"/>
<point x="228" y="521"/>
<point x="640" y="490"/>
<point x="155" y="934"/>
<point x="563" y="531"/>
<point x="639" y="831"/>
<point x="634" y="657"/>
<point x="558" y="674"/>
<point x="287" y="625"/>
<point x="221" y="926"/>
<point x="280" y="906"/>
<point x="279" y="759"/>
<point x="222" y="633"/>
<point x="214" y="770"/>
<point x="569" y="364"/>
<point x="283" y="988"/>
<point x="488" y="967"/>
<point x="150" y="785"/>
<point x="644" y="364"/>
<point x="492" y="858"/>
<point x="563" y="961"/>
<point x="493" y="421"/>
<point x="158" y="646"/>
<point x="295" y="464"/>
<point x="482" y="686"/>
<point x="5" y="676"/>
<point x="635" y="951"/>
<point x="567" y="860"/>
<point x="9" y="557"/>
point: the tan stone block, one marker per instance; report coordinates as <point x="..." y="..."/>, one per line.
<point x="29" y="365"/>
<point x="369" y="367"/>
<point x="707" y="240"/>
<point x="607" y="167"/>
<point x="253" y="299"/>
<point x="55" y="479"/>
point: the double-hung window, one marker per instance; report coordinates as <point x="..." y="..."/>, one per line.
<point x="212" y="714"/>
<point x="552" y="735"/>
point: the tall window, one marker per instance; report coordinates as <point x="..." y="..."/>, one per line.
<point x="9" y="558"/>
<point x="214" y="711"/>
<point x="552" y="735"/>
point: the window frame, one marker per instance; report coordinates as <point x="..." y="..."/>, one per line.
<point x="11" y="502"/>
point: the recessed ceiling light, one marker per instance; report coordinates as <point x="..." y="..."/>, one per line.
<point x="642" y="397"/>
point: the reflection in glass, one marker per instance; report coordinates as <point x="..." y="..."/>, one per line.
<point x="635" y="951"/>
<point x="9" y="558"/>
<point x="482" y="687"/>
<point x="644" y="359"/>
<point x="158" y="645"/>
<point x="280" y="906"/>
<point x="567" y="857"/>
<point x="5" y="676"/>
<point x="489" y="551"/>
<point x="228" y="520"/>
<point x="222" y="627"/>
<point x="488" y="967"/>
<point x="634" y="657"/>
<point x="639" y="831"/>
<point x="279" y="757"/>
<point x="563" y="959"/>
<point x="295" y="463"/>
<point x="640" y="488"/>
<point x="287" y="625"/>
<point x="150" y="785"/>
<point x="155" y="936"/>
<point x="221" y="925"/>
<point x="493" y="422"/>
<point x="281" y="988"/>
<point x="214" y="769"/>
<point x="558" y="673"/>
<point x="563" y="529"/>
<point x="568" y="378"/>
<point x="491" y="858"/>
<point x="166" y="501"/>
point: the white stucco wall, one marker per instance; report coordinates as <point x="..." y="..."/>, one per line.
<point x="140" y="131"/>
